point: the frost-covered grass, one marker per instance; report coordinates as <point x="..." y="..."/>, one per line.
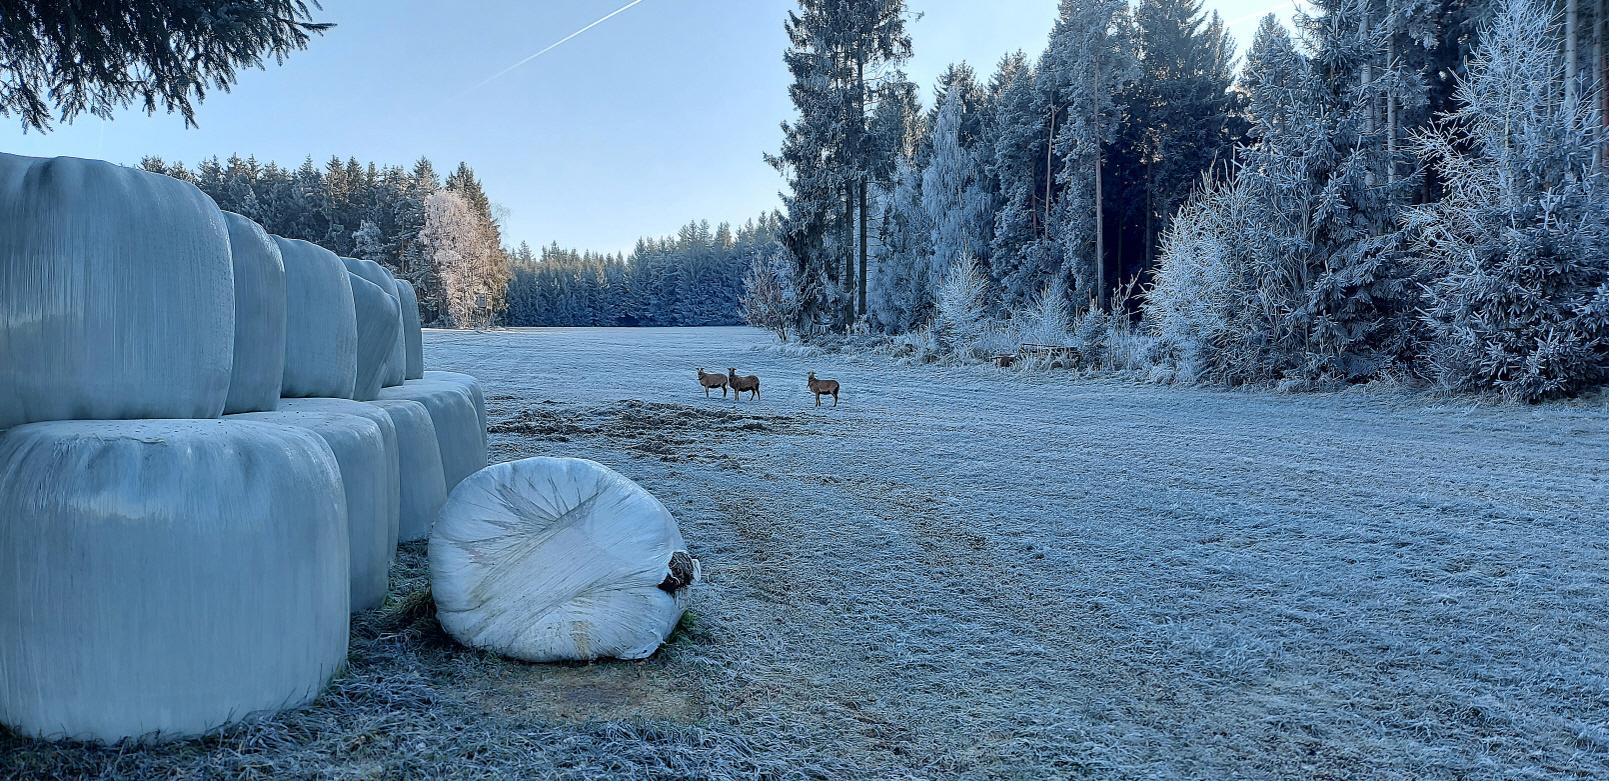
<point x="963" y="572"/>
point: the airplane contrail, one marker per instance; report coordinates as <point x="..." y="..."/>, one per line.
<point x="551" y="47"/>
<point x="1262" y="13"/>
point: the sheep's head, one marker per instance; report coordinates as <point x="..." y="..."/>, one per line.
<point x="812" y="376"/>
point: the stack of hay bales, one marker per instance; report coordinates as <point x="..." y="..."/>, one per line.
<point x="180" y="547"/>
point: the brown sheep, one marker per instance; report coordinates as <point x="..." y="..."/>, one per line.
<point x="822" y="387"/>
<point x="739" y="384"/>
<point x="711" y="381"/>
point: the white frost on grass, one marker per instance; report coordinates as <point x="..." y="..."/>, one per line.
<point x="960" y="573"/>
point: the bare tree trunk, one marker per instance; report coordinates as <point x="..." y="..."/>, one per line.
<point x="1571" y="33"/>
<point x="862" y="247"/>
<point x="1050" y="146"/>
<point x="1391" y="107"/>
<point x="1150" y="219"/>
<point x="849" y="257"/>
<point x="1600" y="83"/>
<point x="1100" y="217"/>
<point x="1368" y="67"/>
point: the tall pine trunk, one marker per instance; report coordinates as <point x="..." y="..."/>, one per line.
<point x="1571" y="33"/>
<point x="860" y="94"/>
<point x="1100" y="216"/>
<point x="849" y="257"/>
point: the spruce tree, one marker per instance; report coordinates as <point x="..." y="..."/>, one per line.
<point x="1517" y="253"/>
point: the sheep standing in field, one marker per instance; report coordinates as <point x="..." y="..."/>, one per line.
<point x="822" y="388"/>
<point x="739" y="384"/>
<point x="711" y="381"/>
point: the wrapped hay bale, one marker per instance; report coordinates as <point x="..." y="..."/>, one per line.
<point x="379" y="326"/>
<point x="470" y="384"/>
<point x="259" y="317"/>
<point x="411" y="331"/>
<point x="116" y="294"/>
<point x="424" y="489"/>
<point x="360" y="452"/>
<point x="389" y="434"/>
<point x="163" y="578"/>
<point x="321" y="323"/>
<point x="459" y="434"/>
<point x="397" y="362"/>
<point x="550" y="559"/>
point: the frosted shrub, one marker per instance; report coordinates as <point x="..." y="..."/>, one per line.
<point x="960" y="323"/>
<point x="1516" y="251"/>
<point x="1047" y="321"/>
<point x="770" y="298"/>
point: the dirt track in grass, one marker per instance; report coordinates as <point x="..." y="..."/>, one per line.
<point x="964" y="573"/>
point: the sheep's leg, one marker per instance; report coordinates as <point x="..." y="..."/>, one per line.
<point x="835" y="398"/>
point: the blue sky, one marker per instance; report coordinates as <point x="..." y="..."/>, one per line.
<point x="654" y="117"/>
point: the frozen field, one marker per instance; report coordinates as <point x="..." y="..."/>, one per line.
<point x="962" y="574"/>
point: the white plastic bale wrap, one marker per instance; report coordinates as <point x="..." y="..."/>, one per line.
<point x="470" y="384"/>
<point x="411" y="330"/>
<point x="552" y="559"/>
<point x="379" y="325"/>
<point x="424" y="490"/>
<point x="360" y="452"/>
<point x="162" y="578"/>
<point x="321" y="324"/>
<point x="459" y="433"/>
<point x="259" y="317"/>
<point x="397" y="362"/>
<point x="393" y="451"/>
<point x="116" y="294"/>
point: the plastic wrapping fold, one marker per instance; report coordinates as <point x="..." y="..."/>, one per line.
<point x="116" y="294"/>
<point x="379" y="327"/>
<point x="423" y="489"/>
<point x="259" y="317"/>
<point x="551" y="559"/>
<point x="397" y="361"/>
<point x="360" y="451"/>
<point x="163" y="578"/>
<point x="411" y="331"/>
<point x="459" y="435"/>
<point x="321" y="324"/>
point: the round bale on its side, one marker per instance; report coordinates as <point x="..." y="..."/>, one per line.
<point x="116" y="294"/>
<point x="160" y="579"/>
<point x="411" y="331"/>
<point x="379" y="327"/>
<point x="360" y="452"/>
<point x="259" y="317"/>
<point x="424" y="489"/>
<point x="321" y="323"/>
<point x="459" y="434"/>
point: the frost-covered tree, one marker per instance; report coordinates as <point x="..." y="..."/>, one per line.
<point x="954" y="192"/>
<point x="1518" y="251"/>
<point x="97" y="56"/>
<point x="837" y="49"/>
<point x="1178" y="121"/>
<point x="473" y="270"/>
<point x="960" y="310"/>
<point x="769" y="293"/>
<point x="1090" y="58"/>
<point x="900" y="294"/>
